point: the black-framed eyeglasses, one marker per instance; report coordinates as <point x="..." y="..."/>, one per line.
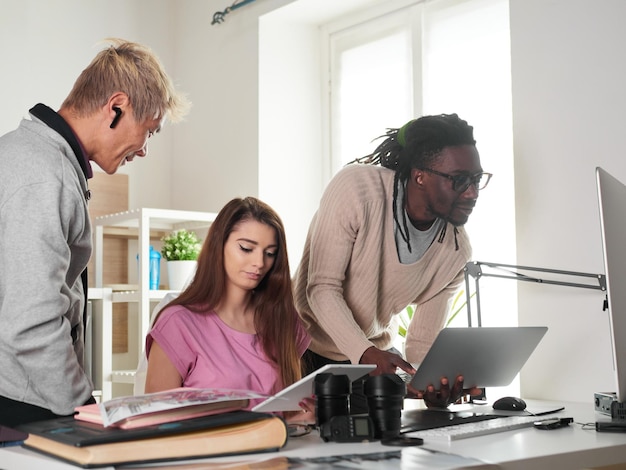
<point x="461" y="182"/>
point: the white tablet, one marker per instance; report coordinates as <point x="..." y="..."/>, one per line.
<point x="289" y="398"/>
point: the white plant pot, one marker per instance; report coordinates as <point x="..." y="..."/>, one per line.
<point x="180" y="273"/>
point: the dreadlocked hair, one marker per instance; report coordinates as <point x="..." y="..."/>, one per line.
<point x="416" y="145"/>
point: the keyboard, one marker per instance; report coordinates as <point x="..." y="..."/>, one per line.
<point x="475" y="429"/>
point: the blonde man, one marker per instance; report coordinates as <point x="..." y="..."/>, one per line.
<point x="117" y="103"/>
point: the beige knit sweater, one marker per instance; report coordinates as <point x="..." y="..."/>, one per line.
<point x="350" y="284"/>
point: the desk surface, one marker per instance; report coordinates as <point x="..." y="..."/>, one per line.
<point x="569" y="447"/>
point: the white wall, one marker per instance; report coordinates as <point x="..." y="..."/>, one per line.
<point x="568" y="98"/>
<point x="256" y="128"/>
<point x="45" y="45"/>
<point x="568" y="117"/>
<point x="290" y="130"/>
<point x="217" y="150"/>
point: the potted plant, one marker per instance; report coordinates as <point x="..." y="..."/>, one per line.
<point x="180" y="249"/>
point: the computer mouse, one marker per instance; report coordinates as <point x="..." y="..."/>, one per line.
<point x="509" y="404"/>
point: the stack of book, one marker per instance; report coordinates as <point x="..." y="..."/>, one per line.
<point x="173" y="425"/>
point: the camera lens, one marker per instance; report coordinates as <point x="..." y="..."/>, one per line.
<point x="385" y="398"/>
<point x="331" y="396"/>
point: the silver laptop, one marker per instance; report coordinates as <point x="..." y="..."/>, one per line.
<point x="484" y="356"/>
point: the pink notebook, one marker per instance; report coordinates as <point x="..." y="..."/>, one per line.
<point x="163" y="407"/>
<point x="91" y="414"/>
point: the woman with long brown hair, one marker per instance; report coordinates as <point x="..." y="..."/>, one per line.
<point x="235" y="325"/>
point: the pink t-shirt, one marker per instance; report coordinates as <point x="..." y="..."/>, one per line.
<point x="209" y="354"/>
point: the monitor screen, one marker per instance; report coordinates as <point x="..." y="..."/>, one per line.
<point x="612" y="203"/>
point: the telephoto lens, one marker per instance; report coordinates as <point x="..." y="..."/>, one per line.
<point x="331" y="397"/>
<point x="385" y="398"/>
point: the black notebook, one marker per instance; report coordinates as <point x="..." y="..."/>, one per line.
<point x="11" y="437"/>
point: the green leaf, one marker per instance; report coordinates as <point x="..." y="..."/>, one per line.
<point x="405" y="318"/>
<point x="457" y="307"/>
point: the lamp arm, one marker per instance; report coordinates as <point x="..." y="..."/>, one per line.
<point x="474" y="269"/>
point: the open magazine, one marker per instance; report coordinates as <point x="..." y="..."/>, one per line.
<point x="162" y="407"/>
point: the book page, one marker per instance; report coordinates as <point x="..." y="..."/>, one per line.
<point x="119" y="409"/>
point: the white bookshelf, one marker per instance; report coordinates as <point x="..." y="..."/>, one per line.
<point x="139" y="225"/>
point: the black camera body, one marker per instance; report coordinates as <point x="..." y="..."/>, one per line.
<point x="347" y="428"/>
<point x="384" y="393"/>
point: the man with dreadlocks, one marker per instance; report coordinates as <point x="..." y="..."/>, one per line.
<point x="389" y="233"/>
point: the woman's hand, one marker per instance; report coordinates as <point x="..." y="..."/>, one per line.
<point x="306" y="415"/>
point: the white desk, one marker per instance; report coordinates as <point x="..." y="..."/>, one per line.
<point x="566" y="448"/>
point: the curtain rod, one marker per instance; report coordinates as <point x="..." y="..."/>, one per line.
<point x="218" y="16"/>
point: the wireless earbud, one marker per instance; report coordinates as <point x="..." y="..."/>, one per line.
<point x="118" y="113"/>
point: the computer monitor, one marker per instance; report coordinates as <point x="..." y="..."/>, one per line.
<point x="612" y="202"/>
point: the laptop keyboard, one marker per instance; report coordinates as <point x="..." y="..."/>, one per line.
<point x="475" y="429"/>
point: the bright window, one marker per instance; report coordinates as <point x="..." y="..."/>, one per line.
<point x="371" y="85"/>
